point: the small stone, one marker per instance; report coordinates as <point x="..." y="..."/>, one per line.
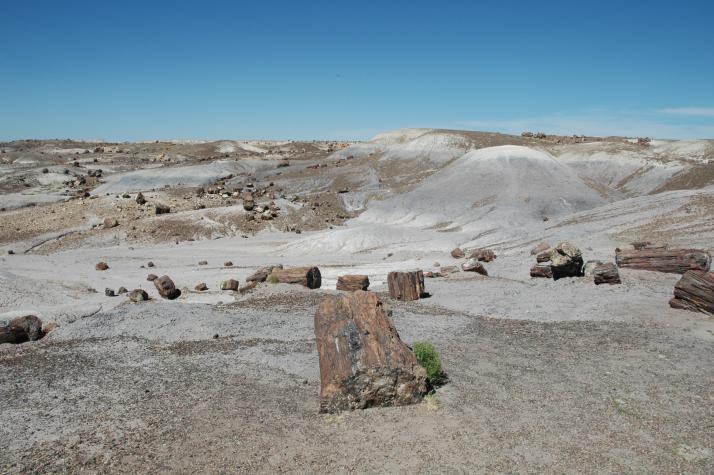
<point x="121" y="290"/>
<point x="230" y="284"/>
<point x="150" y="264"/>
<point x="152" y="277"/>
<point x="138" y="295"/>
<point x="457" y="253"/>
<point x="228" y="264"/>
<point x="200" y="287"/>
<point x="110" y="223"/>
<point x="202" y="263"/>
<point x="140" y="199"/>
<point x="166" y="287"/>
<point x="101" y="266"/>
<point x="473" y="265"/>
<point x="109" y="292"/>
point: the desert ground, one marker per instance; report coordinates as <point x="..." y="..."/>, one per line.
<point x="555" y="376"/>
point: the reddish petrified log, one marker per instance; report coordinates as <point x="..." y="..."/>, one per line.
<point x="542" y="270"/>
<point x="406" y="285"/>
<point x="674" y="261"/>
<point x="695" y="291"/>
<point x="363" y="362"/>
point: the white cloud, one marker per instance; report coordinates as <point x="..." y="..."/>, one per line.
<point x="690" y="111"/>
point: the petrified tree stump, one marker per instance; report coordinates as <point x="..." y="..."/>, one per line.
<point x="406" y="285"/>
<point x="306" y="276"/>
<point x="606" y="274"/>
<point x="352" y="282"/>
<point x="166" y="287"/>
<point x="674" y="261"/>
<point x="21" y="329"/>
<point x="363" y="362"/>
<point x="695" y="291"/>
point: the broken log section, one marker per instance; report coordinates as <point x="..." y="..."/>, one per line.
<point x="406" y="285"/>
<point x="306" y="276"/>
<point x="352" y="282"/>
<point x="695" y="291"/>
<point x="674" y="261"/>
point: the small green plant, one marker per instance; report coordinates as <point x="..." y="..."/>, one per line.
<point x="273" y="279"/>
<point x="429" y="358"/>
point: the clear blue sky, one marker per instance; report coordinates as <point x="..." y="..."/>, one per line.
<point x="130" y="70"/>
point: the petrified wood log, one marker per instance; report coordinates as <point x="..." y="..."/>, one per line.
<point x="695" y="291"/>
<point x="406" y="285"/>
<point x="352" y="282"/>
<point x="21" y="329"/>
<point x="541" y="270"/>
<point x="363" y="362"/>
<point x="262" y="274"/>
<point x="674" y="261"/>
<point x="306" y="276"/>
<point x="606" y="274"/>
<point x="166" y="287"/>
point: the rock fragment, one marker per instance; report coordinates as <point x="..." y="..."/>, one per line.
<point x="166" y="287"/>
<point x="21" y="329"/>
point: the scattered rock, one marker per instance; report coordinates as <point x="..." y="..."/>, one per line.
<point x="543" y="256"/>
<point x="202" y="263"/>
<point x="230" y="284"/>
<point x="483" y="255"/>
<point x="458" y="253"/>
<point x="566" y="260"/>
<point x="166" y="287"/>
<point x="109" y="292"/>
<point x="150" y="264"/>
<point x="121" y="290"/>
<point x="162" y="209"/>
<point x="228" y="264"/>
<point x="542" y="270"/>
<point x="138" y="295"/>
<point x="152" y="277"/>
<point x="110" y="223"/>
<point x="247" y="287"/>
<point x="101" y="266"/>
<point x="352" y="282"/>
<point x="201" y="287"/>
<point x="10" y="252"/>
<point x="262" y="274"/>
<point x="363" y="362"/>
<point x="140" y="199"/>
<point x="472" y="265"/>
<point x="21" y="329"/>
<point x="606" y="274"/>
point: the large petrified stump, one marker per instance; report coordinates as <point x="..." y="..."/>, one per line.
<point x="306" y="276"/>
<point x="363" y="362"/>
<point x="352" y="282"/>
<point x="21" y="329"/>
<point x="695" y="291"/>
<point x="674" y="261"/>
<point x="406" y="285"/>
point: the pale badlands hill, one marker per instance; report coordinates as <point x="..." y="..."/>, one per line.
<point x="546" y="376"/>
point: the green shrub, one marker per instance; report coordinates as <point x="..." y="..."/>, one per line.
<point x="428" y="357"/>
<point x="273" y="279"/>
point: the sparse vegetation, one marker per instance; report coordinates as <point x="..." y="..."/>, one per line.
<point x="429" y="358"/>
<point x="273" y="279"/>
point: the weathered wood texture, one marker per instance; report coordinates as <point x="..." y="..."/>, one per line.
<point x="406" y="285"/>
<point x="352" y="282"/>
<point x="363" y="362"/>
<point x="262" y="274"/>
<point x="306" y="276"/>
<point x="695" y="291"/>
<point x="674" y="261"/>
<point x="21" y="329"/>
<point x="606" y="274"/>
<point x="542" y="270"/>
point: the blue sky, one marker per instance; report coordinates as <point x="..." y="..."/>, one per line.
<point x="135" y="70"/>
